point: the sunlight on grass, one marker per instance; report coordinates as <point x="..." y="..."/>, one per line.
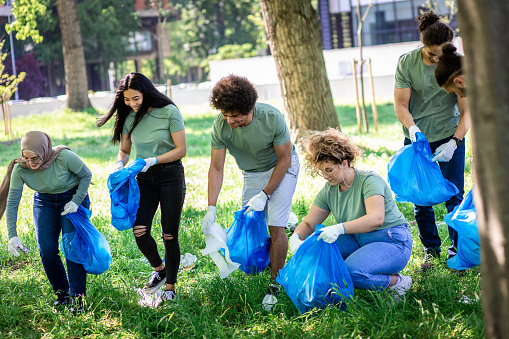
<point x="208" y="306"/>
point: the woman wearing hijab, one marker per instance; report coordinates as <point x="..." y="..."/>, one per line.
<point x="60" y="180"/>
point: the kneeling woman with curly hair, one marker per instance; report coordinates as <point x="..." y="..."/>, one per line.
<point x="371" y="232"/>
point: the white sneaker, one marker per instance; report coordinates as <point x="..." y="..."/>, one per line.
<point x="399" y="289"/>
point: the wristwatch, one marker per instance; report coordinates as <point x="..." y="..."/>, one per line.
<point x="458" y="141"/>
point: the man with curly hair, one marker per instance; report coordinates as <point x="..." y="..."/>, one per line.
<point x="257" y="136"/>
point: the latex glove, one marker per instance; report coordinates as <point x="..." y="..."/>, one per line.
<point x="444" y="152"/>
<point x="208" y="220"/>
<point x="70" y="207"/>
<point x="411" y="131"/>
<point x="15" y="244"/>
<point x="331" y="233"/>
<point x="295" y="243"/>
<point x="118" y="166"/>
<point x="149" y="163"/>
<point x="257" y="203"/>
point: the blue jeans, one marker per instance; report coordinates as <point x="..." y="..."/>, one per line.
<point x="48" y="225"/>
<point x="371" y="258"/>
<point x="163" y="184"/>
<point x="454" y="171"/>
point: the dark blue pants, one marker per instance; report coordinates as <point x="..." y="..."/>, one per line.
<point x="454" y="171"/>
<point x="162" y="184"/>
<point x="48" y="225"/>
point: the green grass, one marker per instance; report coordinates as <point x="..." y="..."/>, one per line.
<point x="207" y="306"/>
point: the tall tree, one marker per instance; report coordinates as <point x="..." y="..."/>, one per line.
<point x="293" y="31"/>
<point x="484" y="28"/>
<point x="76" y="83"/>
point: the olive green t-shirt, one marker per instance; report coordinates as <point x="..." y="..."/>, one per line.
<point x="434" y="110"/>
<point x="152" y="136"/>
<point x="349" y="205"/>
<point x="253" y="146"/>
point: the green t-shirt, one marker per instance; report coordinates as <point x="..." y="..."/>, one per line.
<point x="349" y="205"/>
<point x="253" y="146"/>
<point x="434" y="110"/>
<point x="152" y="136"/>
<point x="59" y="177"/>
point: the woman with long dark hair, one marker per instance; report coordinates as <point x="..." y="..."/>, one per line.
<point x="151" y="122"/>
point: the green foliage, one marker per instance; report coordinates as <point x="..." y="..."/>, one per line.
<point x="8" y="83"/>
<point x="233" y="52"/>
<point x="26" y="13"/>
<point x="105" y="27"/>
<point x="207" y="306"/>
<point x="205" y="26"/>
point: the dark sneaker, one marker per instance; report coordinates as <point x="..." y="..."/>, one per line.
<point x="156" y="281"/>
<point x="62" y="299"/>
<point x="77" y="304"/>
<point x="428" y="261"/>
<point x="274" y="289"/>
<point x="458" y="273"/>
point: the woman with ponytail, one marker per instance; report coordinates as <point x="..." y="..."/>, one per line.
<point x="422" y="106"/>
<point x="449" y="72"/>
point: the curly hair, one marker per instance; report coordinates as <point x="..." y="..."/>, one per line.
<point x="330" y="145"/>
<point x="234" y="93"/>
<point x="432" y="30"/>
<point x="448" y="66"/>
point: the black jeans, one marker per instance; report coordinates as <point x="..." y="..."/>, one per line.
<point x="162" y="184"/>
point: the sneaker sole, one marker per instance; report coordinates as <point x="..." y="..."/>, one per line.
<point x="155" y="288"/>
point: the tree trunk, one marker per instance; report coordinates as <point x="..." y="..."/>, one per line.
<point x="293" y="31"/>
<point x="76" y="83"/>
<point x="484" y="28"/>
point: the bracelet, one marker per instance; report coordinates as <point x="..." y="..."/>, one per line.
<point x="268" y="196"/>
<point x="121" y="162"/>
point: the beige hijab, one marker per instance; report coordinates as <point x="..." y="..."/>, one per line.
<point x="39" y="143"/>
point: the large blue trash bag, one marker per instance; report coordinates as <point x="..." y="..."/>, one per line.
<point x="316" y="276"/>
<point x="86" y="245"/>
<point x="464" y="220"/>
<point x="248" y="241"/>
<point x="414" y="178"/>
<point x="125" y="195"/>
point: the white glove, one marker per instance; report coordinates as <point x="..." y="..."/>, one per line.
<point x="208" y="220"/>
<point x="411" y="131"/>
<point x="444" y="152"/>
<point x="295" y="243"/>
<point x="149" y="162"/>
<point x="118" y="166"/>
<point x="70" y="207"/>
<point x="15" y="244"/>
<point x="257" y="203"/>
<point x="331" y="233"/>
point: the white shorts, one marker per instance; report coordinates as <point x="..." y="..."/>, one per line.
<point x="278" y="208"/>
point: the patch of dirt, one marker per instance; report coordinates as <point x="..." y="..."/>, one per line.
<point x="10" y="142"/>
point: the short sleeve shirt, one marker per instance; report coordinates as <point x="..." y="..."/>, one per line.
<point x="349" y="205"/>
<point x="152" y="136"/>
<point x="253" y="146"/>
<point x="59" y="177"/>
<point x="434" y="110"/>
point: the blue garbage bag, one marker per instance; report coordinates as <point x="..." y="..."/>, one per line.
<point x="125" y="195"/>
<point x="464" y="220"/>
<point x="414" y="178"/>
<point x="86" y="245"/>
<point x="248" y="241"/>
<point x="316" y="275"/>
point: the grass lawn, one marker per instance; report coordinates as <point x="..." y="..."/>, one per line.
<point x="208" y="306"/>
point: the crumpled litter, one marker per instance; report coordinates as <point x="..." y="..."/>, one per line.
<point x="292" y="221"/>
<point x="151" y="300"/>
<point x="268" y="301"/>
<point x="215" y="241"/>
<point x="187" y="261"/>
